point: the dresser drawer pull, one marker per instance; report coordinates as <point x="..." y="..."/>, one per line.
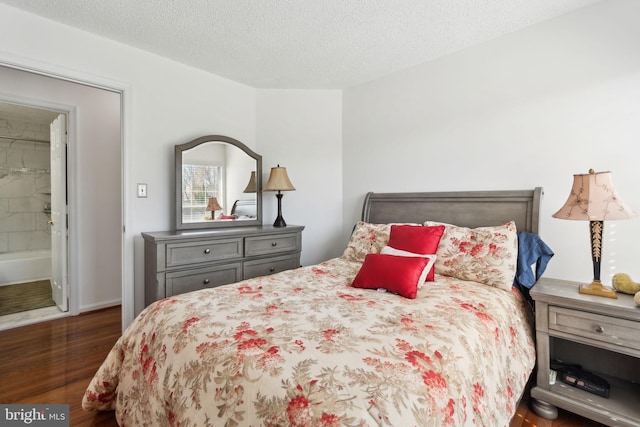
<point x="599" y="329"/>
<point x="272" y="269"/>
<point x="274" y="244"/>
<point x="205" y="282"/>
<point x="207" y="251"/>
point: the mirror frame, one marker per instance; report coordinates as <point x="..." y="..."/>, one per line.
<point x="179" y="149"/>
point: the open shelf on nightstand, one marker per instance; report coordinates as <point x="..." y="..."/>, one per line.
<point x="622" y="403"/>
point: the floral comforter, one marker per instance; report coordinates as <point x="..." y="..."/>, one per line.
<point x="304" y="348"/>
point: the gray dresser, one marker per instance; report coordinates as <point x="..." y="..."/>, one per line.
<point x="183" y="261"/>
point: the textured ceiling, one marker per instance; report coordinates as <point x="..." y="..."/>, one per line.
<point x="300" y="44"/>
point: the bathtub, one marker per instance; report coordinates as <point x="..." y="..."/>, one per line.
<point x="26" y="266"/>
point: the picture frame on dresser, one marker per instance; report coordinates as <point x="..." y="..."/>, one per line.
<point x="205" y="251"/>
<point x="600" y="335"/>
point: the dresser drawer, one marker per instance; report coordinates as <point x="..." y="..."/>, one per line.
<point x="180" y="261"/>
<point x="193" y="253"/>
<point x="612" y="330"/>
<point x="273" y="244"/>
<point x="179" y="282"/>
<point x="264" y="267"/>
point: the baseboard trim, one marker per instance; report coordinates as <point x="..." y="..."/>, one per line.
<point x="101" y="305"/>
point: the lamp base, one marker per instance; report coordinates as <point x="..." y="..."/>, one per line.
<point x="279" y="219"/>
<point x="596" y="288"/>
<point x="279" y="222"/>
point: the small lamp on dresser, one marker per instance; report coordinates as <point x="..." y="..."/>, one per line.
<point x="213" y="206"/>
<point x="279" y="181"/>
<point x="594" y="199"/>
<point x="251" y="186"/>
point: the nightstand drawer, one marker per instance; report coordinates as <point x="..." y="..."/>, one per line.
<point x="262" y="245"/>
<point x="193" y="253"/>
<point x="608" y="329"/>
<point x="180" y="282"/>
<point x="264" y="267"/>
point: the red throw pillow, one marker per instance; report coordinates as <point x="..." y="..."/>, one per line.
<point x="397" y="274"/>
<point x="417" y="239"/>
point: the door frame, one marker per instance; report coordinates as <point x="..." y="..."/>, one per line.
<point x="73" y="291"/>
<point x="127" y="240"/>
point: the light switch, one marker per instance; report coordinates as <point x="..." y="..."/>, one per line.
<point x="142" y="190"/>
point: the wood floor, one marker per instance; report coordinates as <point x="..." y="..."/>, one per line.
<point x="52" y="362"/>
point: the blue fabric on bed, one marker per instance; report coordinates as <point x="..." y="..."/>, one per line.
<point x="531" y="250"/>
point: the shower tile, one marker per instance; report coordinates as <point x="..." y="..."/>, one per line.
<point x="17" y="221"/>
<point x="17" y="185"/>
<point x="37" y="159"/>
<point x="4" y="242"/>
<point x="29" y="240"/>
<point x="43" y="183"/>
<point x="25" y="204"/>
<point x="42" y="223"/>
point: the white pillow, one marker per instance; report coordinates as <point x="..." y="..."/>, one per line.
<point x="388" y="250"/>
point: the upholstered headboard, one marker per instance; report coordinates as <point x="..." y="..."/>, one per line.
<point x="462" y="208"/>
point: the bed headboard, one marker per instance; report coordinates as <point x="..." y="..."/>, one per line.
<point x="463" y="208"/>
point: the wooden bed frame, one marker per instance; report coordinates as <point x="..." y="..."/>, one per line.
<point x="462" y="208"/>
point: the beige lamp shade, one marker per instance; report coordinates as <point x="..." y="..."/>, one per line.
<point x="213" y="205"/>
<point x="278" y="180"/>
<point x="593" y="198"/>
<point x="251" y="186"/>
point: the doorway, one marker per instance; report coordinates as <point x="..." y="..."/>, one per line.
<point x="33" y="227"/>
<point x="94" y="186"/>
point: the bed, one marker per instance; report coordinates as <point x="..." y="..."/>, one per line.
<point x="306" y="347"/>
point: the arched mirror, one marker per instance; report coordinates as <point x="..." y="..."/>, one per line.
<point x="218" y="184"/>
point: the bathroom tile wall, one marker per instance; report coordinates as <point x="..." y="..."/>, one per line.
<point x="25" y="185"/>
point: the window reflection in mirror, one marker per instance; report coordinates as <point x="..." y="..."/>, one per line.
<point x="203" y="172"/>
<point x="216" y="184"/>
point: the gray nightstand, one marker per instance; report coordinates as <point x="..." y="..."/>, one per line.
<point x="600" y="334"/>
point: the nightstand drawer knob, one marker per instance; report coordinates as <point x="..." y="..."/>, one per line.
<point x="274" y="244"/>
<point x="599" y="329"/>
<point x="205" y="282"/>
<point x="207" y="251"/>
<point x="272" y="269"/>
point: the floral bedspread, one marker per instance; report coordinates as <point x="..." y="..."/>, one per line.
<point x="304" y="348"/>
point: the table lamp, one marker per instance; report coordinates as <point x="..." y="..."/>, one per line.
<point x="594" y="199"/>
<point x="213" y="206"/>
<point x="279" y="181"/>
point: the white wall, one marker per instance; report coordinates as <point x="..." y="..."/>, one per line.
<point x="528" y="109"/>
<point x="166" y="103"/>
<point x="301" y="130"/>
